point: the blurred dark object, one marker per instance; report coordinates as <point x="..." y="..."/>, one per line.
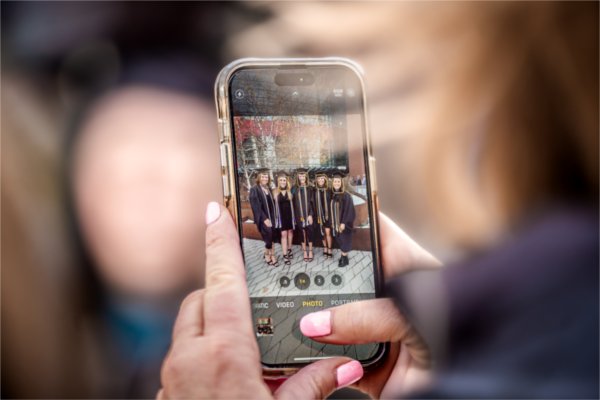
<point x="38" y="35"/>
<point x="521" y="320"/>
<point x="67" y="331"/>
<point x="83" y="46"/>
<point x="41" y="350"/>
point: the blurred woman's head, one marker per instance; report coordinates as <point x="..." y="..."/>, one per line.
<point x="142" y="171"/>
<point x="514" y="115"/>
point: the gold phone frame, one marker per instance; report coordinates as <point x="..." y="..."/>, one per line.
<point x="222" y="100"/>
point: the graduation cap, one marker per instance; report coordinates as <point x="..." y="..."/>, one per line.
<point x="321" y="172"/>
<point x="338" y="174"/>
<point x="281" y="173"/>
<point x="260" y="171"/>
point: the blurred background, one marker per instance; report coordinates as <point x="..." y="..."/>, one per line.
<point x="110" y="152"/>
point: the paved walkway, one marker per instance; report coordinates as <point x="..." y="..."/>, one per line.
<point x="322" y="275"/>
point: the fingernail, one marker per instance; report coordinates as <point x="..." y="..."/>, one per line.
<point x="316" y="324"/>
<point x="348" y="373"/>
<point x="213" y="211"/>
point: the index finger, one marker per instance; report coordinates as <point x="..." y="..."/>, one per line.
<point x="226" y="301"/>
<point x="189" y="321"/>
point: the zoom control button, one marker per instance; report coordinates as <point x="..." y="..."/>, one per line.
<point x="284" y="281"/>
<point x="319" y="280"/>
<point x="336" y="280"/>
<point x="302" y="281"/>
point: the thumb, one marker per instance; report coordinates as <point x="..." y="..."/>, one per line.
<point x="226" y="300"/>
<point x="319" y="379"/>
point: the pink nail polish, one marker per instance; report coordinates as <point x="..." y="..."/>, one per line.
<point x="316" y="324"/>
<point x="213" y="212"/>
<point x="348" y="373"/>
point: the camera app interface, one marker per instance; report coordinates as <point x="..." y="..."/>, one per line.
<point x="303" y="190"/>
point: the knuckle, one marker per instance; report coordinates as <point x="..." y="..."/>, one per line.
<point x="356" y="324"/>
<point x="192" y="298"/>
<point x="215" y="237"/>
<point x="317" y="385"/>
<point x="224" y="354"/>
<point x="317" y="380"/>
<point x="218" y="236"/>
<point x="348" y="319"/>
<point x="227" y="349"/>
<point x="223" y="348"/>
<point x="221" y="275"/>
<point x="172" y="369"/>
<point x="393" y="321"/>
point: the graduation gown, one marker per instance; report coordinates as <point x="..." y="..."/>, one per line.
<point x="303" y="208"/>
<point x="322" y="209"/>
<point x="284" y="208"/>
<point x="264" y="207"/>
<point x="342" y="212"/>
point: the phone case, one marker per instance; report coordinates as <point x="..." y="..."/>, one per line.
<point x="222" y="99"/>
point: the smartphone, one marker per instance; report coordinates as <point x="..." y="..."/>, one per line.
<point x="299" y="180"/>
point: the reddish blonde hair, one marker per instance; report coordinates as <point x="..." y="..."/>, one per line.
<point x="514" y="116"/>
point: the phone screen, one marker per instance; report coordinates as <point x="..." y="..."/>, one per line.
<point x="303" y="190"/>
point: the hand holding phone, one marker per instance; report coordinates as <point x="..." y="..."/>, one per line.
<point x="214" y="355"/>
<point x="407" y="367"/>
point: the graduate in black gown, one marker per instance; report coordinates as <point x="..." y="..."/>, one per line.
<point x="304" y="210"/>
<point x="285" y="213"/>
<point x="342" y="217"/>
<point x="264" y="209"/>
<point x="322" y="199"/>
